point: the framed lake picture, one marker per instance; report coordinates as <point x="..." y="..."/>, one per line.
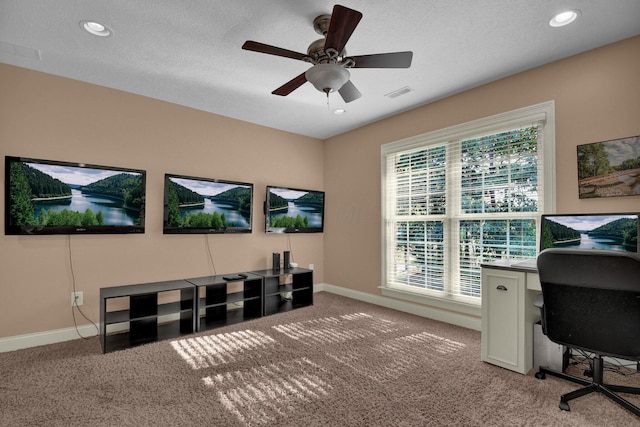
<point x="609" y="168"/>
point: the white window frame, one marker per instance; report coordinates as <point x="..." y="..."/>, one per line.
<point x="543" y="112"/>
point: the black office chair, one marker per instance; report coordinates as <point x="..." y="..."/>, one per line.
<point x="591" y="302"/>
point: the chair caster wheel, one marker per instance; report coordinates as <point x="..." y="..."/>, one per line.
<point x="540" y="375"/>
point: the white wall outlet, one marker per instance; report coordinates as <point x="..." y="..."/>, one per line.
<point x="311" y="266"/>
<point x="77" y="299"/>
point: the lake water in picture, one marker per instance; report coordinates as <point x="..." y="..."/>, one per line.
<point x="314" y="215"/>
<point x="587" y="242"/>
<point x="234" y="217"/>
<point x="112" y="210"/>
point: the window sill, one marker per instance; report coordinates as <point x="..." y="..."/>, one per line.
<point x="440" y="303"/>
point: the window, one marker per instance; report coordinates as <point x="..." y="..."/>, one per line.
<point x="455" y="198"/>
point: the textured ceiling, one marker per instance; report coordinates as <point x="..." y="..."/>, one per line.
<point x="189" y="52"/>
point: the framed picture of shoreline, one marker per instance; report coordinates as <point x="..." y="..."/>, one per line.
<point x="609" y="168"/>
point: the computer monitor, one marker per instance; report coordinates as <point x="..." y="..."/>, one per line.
<point x="605" y="231"/>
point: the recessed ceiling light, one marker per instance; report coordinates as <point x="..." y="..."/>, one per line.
<point x="95" y="28"/>
<point x="339" y="111"/>
<point x="564" y="18"/>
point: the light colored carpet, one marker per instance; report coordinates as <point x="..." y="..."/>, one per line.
<point x="339" y="362"/>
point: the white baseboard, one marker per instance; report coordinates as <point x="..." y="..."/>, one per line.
<point x="47" y="337"/>
<point x="59" y="335"/>
<point x="458" y="319"/>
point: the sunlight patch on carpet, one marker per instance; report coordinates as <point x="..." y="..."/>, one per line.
<point x="393" y="358"/>
<point x="259" y="395"/>
<point x="213" y="350"/>
<point x="336" y="329"/>
<point x="439" y="344"/>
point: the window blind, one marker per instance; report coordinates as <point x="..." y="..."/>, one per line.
<point x="451" y="204"/>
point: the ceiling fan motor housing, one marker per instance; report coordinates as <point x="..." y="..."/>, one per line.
<point x="318" y="55"/>
<point x="327" y="77"/>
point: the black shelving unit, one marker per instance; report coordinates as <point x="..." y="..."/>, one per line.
<point x="132" y="315"/>
<point x="222" y="302"/>
<point x="286" y="289"/>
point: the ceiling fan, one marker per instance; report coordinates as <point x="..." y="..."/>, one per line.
<point x="329" y="58"/>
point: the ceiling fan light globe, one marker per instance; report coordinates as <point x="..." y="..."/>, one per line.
<point x="327" y="77"/>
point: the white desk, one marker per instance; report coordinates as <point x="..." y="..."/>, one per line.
<point x="509" y="288"/>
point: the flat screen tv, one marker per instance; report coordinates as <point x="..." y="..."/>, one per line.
<point x="292" y="210"/>
<point x="53" y="197"/>
<point x="615" y="231"/>
<point x="206" y="206"/>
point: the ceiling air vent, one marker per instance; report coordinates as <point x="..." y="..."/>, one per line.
<point x="399" y="92"/>
<point x="14" y="49"/>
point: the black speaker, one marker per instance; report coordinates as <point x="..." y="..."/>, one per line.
<point x="276" y="261"/>
<point x="287" y="259"/>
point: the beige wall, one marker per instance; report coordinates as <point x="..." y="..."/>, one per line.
<point x="47" y="117"/>
<point x="597" y="97"/>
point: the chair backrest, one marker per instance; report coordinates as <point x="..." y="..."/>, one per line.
<point x="592" y="300"/>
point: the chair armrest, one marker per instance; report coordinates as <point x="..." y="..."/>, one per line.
<point x="539" y="301"/>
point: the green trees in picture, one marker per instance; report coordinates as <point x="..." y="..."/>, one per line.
<point x="277" y="203"/>
<point x="179" y="196"/>
<point x="205" y="220"/>
<point x="51" y="217"/>
<point x="173" y="206"/>
<point x="555" y="233"/>
<point x="40" y="185"/>
<point x="623" y="230"/>
<point x="123" y="186"/>
<point x="21" y="208"/>
<point x="240" y="197"/>
<point x="593" y="161"/>
<point x="289" y="222"/>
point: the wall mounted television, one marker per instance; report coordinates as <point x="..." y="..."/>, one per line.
<point x="606" y="231"/>
<point x="293" y="210"/>
<point x="54" y="197"/>
<point x="206" y="206"/>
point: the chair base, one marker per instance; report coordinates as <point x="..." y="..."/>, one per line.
<point x="595" y="386"/>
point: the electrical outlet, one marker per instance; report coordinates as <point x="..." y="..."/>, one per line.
<point x="77" y="299"/>
<point x="311" y="266"/>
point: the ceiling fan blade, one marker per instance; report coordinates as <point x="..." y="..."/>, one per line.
<point x="291" y="85"/>
<point x="272" y="50"/>
<point x="343" y="22"/>
<point x="349" y="92"/>
<point x="383" y="60"/>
